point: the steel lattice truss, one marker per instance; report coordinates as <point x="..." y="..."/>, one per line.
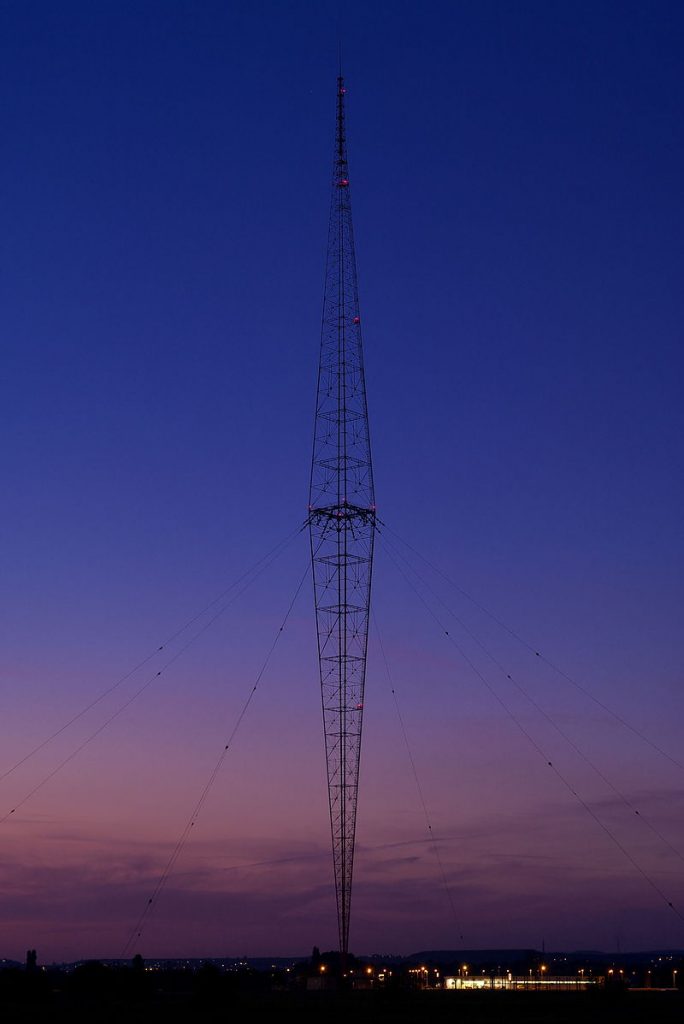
<point x="342" y="526"/>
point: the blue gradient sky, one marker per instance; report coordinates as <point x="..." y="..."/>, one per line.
<point x="516" y="175"/>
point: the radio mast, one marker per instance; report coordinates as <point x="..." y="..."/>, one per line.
<point x="342" y="526"/>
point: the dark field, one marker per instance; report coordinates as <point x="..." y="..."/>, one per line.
<point x="352" y="1007"/>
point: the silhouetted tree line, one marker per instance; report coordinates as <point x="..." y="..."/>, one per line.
<point x="137" y="993"/>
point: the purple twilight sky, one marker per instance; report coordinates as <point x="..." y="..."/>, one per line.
<point x="516" y="173"/>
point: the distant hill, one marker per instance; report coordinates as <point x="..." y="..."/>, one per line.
<point x="508" y="957"/>
<point x="505" y="957"/>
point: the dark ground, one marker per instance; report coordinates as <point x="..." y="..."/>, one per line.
<point x="351" y="1007"/>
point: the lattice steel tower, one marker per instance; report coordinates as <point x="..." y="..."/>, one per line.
<point x="342" y="526"/>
